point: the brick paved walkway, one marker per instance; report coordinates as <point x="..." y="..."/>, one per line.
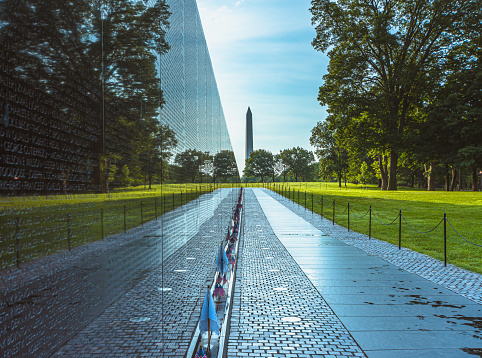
<point x="277" y="312"/>
<point x="389" y="311"/>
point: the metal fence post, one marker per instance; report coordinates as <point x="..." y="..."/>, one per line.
<point x="17" y="241"/>
<point x="370" y="224"/>
<point x="348" y="216"/>
<point x="333" y="211"/>
<point x="181" y="197"/>
<point x="102" y="222"/>
<point x="305" y="199"/>
<point x="142" y="216"/>
<point x="125" y="220"/>
<point x="312" y="203"/>
<point x="68" y="231"/>
<point x="400" y="230"/>
<point x="322" y="204"/>
<point x="172" y="201"/>
<point x="155" y="207"/>
<point x="445" y="239"/>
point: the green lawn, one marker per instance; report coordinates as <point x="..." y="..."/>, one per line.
<point x="422" y="210"/>
<point x="48" y="224"/>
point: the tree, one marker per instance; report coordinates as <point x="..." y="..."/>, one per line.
<point x="123" y="176"/>
<point x="225" y="165"/>
<point x="206" y="168"/>
<point x="154" y="151"/>
<point x="279" y="166"/>
<point x="365" y="174"/>
<point x="298" y="161"/>
<point x="260" y="164"/>
<point x="381" y="56"/>
<point x="94" y="63"/>
<point x="332" y="155"/>
<point x="189" y="164"/>
<point x="453" y="118"/>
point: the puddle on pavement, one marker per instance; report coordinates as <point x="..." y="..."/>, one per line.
<point x="420" y="300"/>
<point x="473" y="351"/>
<point x="475" y="322"/>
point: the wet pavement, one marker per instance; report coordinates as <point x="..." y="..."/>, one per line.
<point x="277" y="311"/>
<point x="304" y="288"/>
<point x="134" y="294"/>
<point x="388" y="311"/>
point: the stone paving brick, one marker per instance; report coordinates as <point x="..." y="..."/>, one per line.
<point x="271" y="286"/>
<point x="456" y="279"/>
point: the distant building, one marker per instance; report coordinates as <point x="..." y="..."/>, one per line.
<point x="249" y="133"/>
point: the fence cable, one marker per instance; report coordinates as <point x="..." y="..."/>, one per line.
<point x="340" y="211"/>
<point x="383" y="223"/>
<point x="359" y="217"/>
<point x="421" y="232"/>
<point x="470" y="242"/>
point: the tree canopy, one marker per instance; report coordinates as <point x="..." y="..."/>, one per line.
<point x="385" y="59"/>
<point x="224" y="164"/>
<point x="260" y="164"/>
<point x="297" y="161"/>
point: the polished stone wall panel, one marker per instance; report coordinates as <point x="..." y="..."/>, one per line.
<point x="57" y="125"/>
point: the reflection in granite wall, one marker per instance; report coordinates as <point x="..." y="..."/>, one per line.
<point x="96" y="95"/>
<point x="82" y="84"/>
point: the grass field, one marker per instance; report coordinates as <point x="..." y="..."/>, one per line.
<point x="47" y="224"/>
<point x="422" y="210"/>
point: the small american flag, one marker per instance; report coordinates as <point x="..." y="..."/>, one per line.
<point x="201" y="354"/>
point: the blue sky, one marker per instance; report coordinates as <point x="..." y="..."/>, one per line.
<point x="262" y="57"/>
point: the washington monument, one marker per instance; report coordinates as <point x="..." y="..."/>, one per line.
<point x="249" y="133"/>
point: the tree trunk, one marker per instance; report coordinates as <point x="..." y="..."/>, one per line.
<point x="460" y="179"/>
<point x="454" y="174"/>
<point x="430" y="177"/>
<point x="382" y="162"/>
<point x="150" y="181"/>
<point x="392" y="178"/>
<point x="475" y="186"/>
<point x="447" y="178"/>
<point x="412" y="180"/>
